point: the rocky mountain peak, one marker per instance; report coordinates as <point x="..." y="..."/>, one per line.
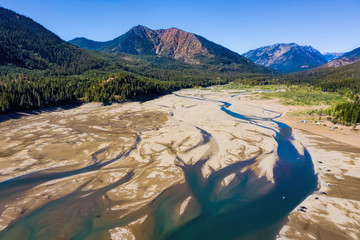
<point x="171" y="42"/>
<point x="287" y="57"/>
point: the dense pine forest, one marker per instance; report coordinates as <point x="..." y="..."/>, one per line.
<point x="25" y="92"/>
<point x="26" y="44"/>
<point x="39" y="70"/>
<point x="344" y="80"/>
<point x="346" y="113"/>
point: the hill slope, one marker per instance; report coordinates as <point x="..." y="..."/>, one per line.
<point x="87" y="44"/>
<point x="287" y="57"/>
<point x="329" y="79"/>
<point x="173" y="43"/>
<point x="348" y="58"/>
<point x="333" y="55"/>
<point x="353" y="54"/>
<point x="26" y="44"/>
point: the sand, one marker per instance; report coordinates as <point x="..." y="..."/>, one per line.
<point x="336" y="214"/>
<point x="170" y="129"/>
<point x="336" y="158"/>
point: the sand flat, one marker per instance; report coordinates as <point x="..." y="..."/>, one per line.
<point x="169" y="130"/>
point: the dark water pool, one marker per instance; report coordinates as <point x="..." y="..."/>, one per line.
<point x="247" y="208"/>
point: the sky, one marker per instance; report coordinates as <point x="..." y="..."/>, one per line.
<point x="240" y="25"/>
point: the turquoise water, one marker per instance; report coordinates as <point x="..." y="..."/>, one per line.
<point x="247" y="208"/>
<point x="242" y="211"/>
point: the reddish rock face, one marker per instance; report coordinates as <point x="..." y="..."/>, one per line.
<point x="180" y="45"/>
<point x="173" y="43"/>
<point x="170" y="42"/>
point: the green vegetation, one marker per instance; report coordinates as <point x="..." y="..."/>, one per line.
<point x="291" y="95"/>
<point x="39" y="70"/>
<point x="343" y="80"/>
<point x="244" y="87"/>
<point x="26" y="44"/>
<point x="335" y="86"/>
<point x="344" y="105"/>
<point x="32" y="92"/>
<point x="334" y="79"/>
<point x="25" y="92"/>
<point x="346" y="113"/>
<point x="308" y="96"/>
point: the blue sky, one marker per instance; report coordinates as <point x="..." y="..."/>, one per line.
<point x="240" y="25"/>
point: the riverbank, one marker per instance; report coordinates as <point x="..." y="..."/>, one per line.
<point x="331" y="212"/>
<point x="147" y="145"/>
<point x="171" y="132"/>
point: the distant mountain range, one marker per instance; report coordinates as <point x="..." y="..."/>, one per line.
<point x="287" y="57"/>
<point x="38" y="69"/>
<point x="194" y="49"/>
<point x="346" y="59"/>
<point x="291" y="57"/>
<point x="331" y="56"/>
<point x="172" y="42"/>
<point x="28" y="45"/>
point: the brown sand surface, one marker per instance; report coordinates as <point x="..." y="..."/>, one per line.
<point x="169" y="129"/>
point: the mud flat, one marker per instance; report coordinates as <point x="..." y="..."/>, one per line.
<point x="146" y="170"/>
<point x="332" y="212"/>
<point x="145" y="140"/>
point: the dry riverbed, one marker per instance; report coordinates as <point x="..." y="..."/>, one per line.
<point x="150" y="141"/>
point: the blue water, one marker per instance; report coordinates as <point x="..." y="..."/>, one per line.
<point x="247" y="208"/>
<point x="244" y="212"/>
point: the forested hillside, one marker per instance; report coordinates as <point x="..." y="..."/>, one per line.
<point x="172" y="43"/>
<point x="26" y="44"/>
<point x="39" y="70"/>
<point x="329" y="79"/>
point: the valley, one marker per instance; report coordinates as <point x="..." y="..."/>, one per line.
<point x="160" y="133"/>
<point x="136" y="171"/>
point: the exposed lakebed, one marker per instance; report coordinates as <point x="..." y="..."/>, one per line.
<point x="204" y="173"/>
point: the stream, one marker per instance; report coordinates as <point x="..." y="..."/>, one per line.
<point x="248" y="207"/>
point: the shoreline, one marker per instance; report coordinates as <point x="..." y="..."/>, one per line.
<point x="324" y="218"/>
<point x="107" y="131"/>
<point x="326" y="213"/>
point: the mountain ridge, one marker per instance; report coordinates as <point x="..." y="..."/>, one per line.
<point x="347" y="58"/>
<point x="171" y="42"/>
<point x="332" y="55"/>
<point x="286" y="57"/>
<point x="27" y="44"/>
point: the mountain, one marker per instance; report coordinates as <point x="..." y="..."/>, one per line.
<point x="287" y="57"/>
<point x="39" y="70"/>
<point x="331" y="56"/>
<point x="26" y="44"/>
<point x="87" y="44"/>
<point x="172" y="42"/>
<point x="353" y="54"/>
<point x="346" y="59"/>
<point x="340" y="78"/>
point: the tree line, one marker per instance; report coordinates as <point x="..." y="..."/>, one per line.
<point x="25" y="92"/>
